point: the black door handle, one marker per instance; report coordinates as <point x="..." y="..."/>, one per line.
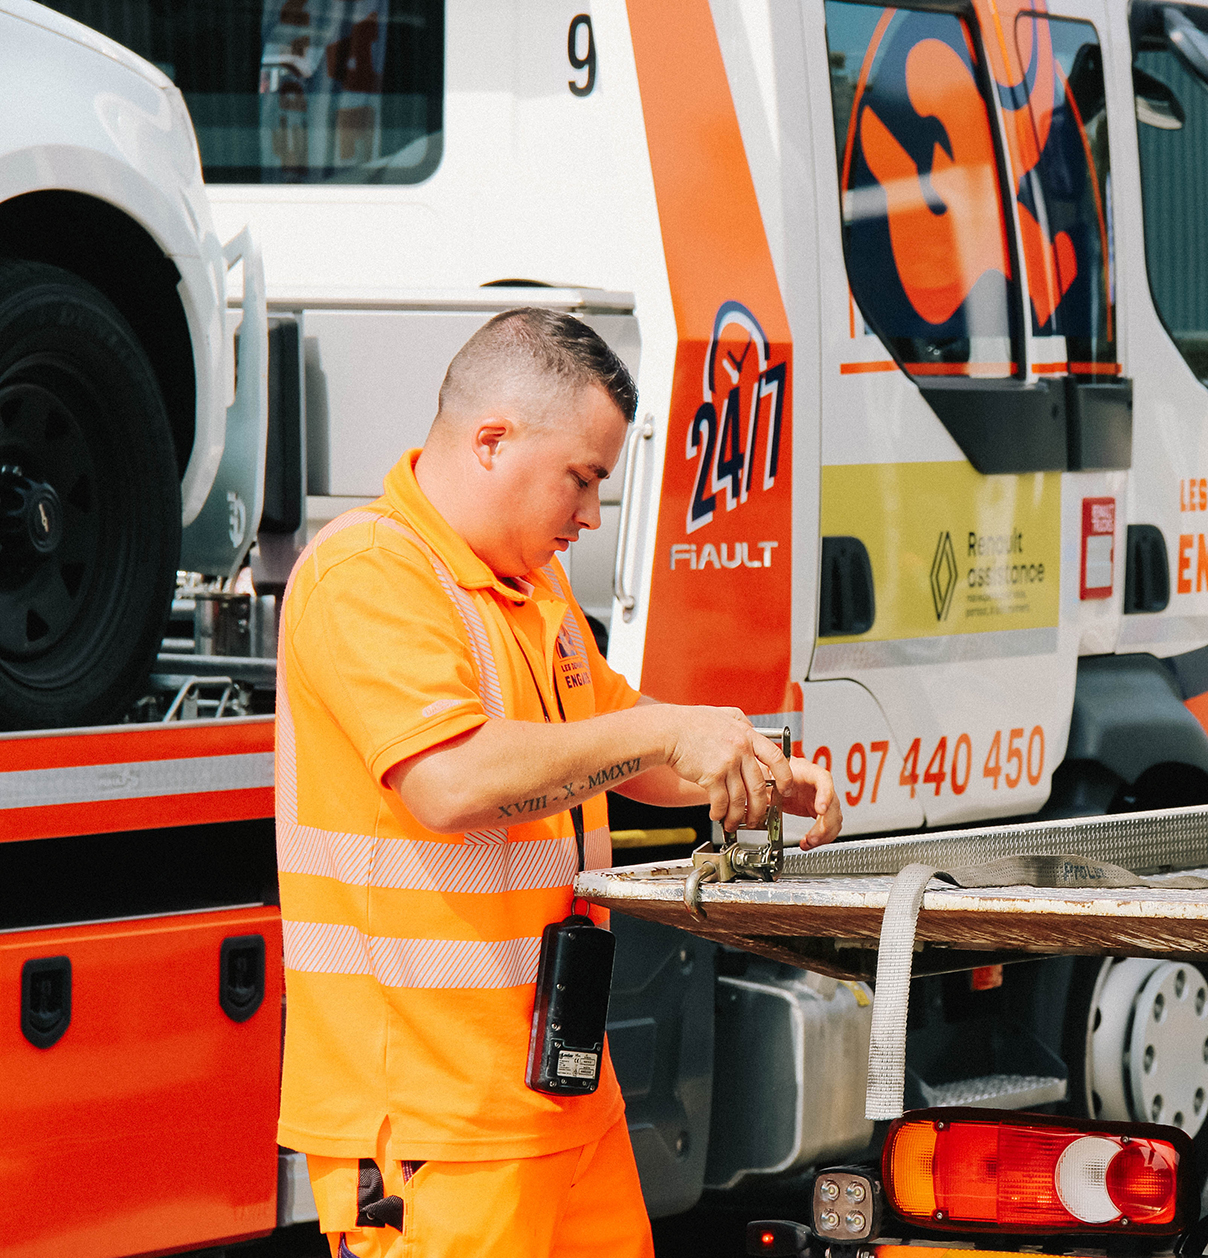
<point x="45" y="1000"/>
<point x="241" y="976"/>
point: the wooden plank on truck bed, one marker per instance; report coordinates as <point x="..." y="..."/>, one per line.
<point x="832" y="924"/>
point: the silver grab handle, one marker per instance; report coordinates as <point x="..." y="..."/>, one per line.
<point x="643" y="434"/>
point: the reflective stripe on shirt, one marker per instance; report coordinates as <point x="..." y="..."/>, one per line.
<point x="324" y="948"/>
<point x="569" y="623"/>
<point x="432" y="865"/>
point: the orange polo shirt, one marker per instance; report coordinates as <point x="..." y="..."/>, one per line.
<point x="410" y="956"/>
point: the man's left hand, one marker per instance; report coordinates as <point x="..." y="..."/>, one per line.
<point x="814" y="796"/>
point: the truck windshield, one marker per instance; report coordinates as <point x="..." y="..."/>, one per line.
<point x="1172" y="135"/>
<point x="295" y="91"/>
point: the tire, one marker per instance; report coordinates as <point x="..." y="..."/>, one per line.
<point x="89" y="504"/>
<point x="1091" y="1000"/>
<point x="1165" y="785"/>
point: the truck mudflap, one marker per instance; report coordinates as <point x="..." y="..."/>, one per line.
<point x="855" y="910"/>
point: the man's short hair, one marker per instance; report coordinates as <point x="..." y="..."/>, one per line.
<point x="530" y="341"/>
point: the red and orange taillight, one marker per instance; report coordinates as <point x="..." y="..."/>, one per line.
<point x="986" y="1170"/>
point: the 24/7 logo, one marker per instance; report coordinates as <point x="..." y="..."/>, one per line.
<point x="737" y="379"/>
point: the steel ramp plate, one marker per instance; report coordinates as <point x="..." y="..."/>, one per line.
<point x="831" y="921"/>
<point x="997" y="1091"/>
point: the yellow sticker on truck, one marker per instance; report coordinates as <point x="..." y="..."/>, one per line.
<point x="952" y="551"/>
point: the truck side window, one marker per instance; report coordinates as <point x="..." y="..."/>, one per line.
<point x="1057" y="133"/>
<point x="296" y="91"/>
<point x="1172" y="134"/>
<point x="924" y="232"/>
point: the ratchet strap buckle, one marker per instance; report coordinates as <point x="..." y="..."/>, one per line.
<point x="739" y="857"/>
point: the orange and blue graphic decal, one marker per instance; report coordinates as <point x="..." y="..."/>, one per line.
<point x="925" y="233"/>
<point x="718" y="628"/>
<point x="1021" y="57"/>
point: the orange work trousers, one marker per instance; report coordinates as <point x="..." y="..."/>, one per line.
<point x="584" y="1202"/>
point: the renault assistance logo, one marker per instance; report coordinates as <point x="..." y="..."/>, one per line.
<point x="943" y="576"/>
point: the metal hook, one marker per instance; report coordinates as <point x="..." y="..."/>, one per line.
<point x="704" y="872"/>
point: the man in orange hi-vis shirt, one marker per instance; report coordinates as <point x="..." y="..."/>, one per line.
<point x="441" y="704"/>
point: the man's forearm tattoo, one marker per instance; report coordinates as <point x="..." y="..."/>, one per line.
<point x="539" y="803"/>
<point x="536" y="804"/>
<point x="622" y="769"/>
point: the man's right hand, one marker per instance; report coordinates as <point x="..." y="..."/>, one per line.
<point x="718" y="750"/>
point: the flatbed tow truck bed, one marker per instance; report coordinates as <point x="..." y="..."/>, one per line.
<point x="824" y="911"/>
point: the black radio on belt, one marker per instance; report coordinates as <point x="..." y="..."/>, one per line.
<point x="574" y="976"/>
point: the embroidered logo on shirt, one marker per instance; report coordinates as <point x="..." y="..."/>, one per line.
<point x="571" y="663"/>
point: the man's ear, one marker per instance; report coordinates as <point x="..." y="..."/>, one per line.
<point x="487" y="438"/>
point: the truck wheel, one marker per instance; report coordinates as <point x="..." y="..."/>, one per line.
<point x="1137" y="1043"/>
<point x="89" y="503"/>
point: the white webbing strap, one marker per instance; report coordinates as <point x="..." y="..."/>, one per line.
<point x="1064" y="869"/>
<point x="887" y="1044"/>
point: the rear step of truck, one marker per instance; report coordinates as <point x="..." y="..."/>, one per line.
<point x="997" y="1091"/>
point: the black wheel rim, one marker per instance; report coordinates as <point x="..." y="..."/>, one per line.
<point x="43" y="442"/>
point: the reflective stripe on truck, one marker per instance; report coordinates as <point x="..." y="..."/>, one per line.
<point x="135" y="777"/>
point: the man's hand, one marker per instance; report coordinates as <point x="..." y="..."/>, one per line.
<point x="814" y="795"/>
<point x="718" y="750"/>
